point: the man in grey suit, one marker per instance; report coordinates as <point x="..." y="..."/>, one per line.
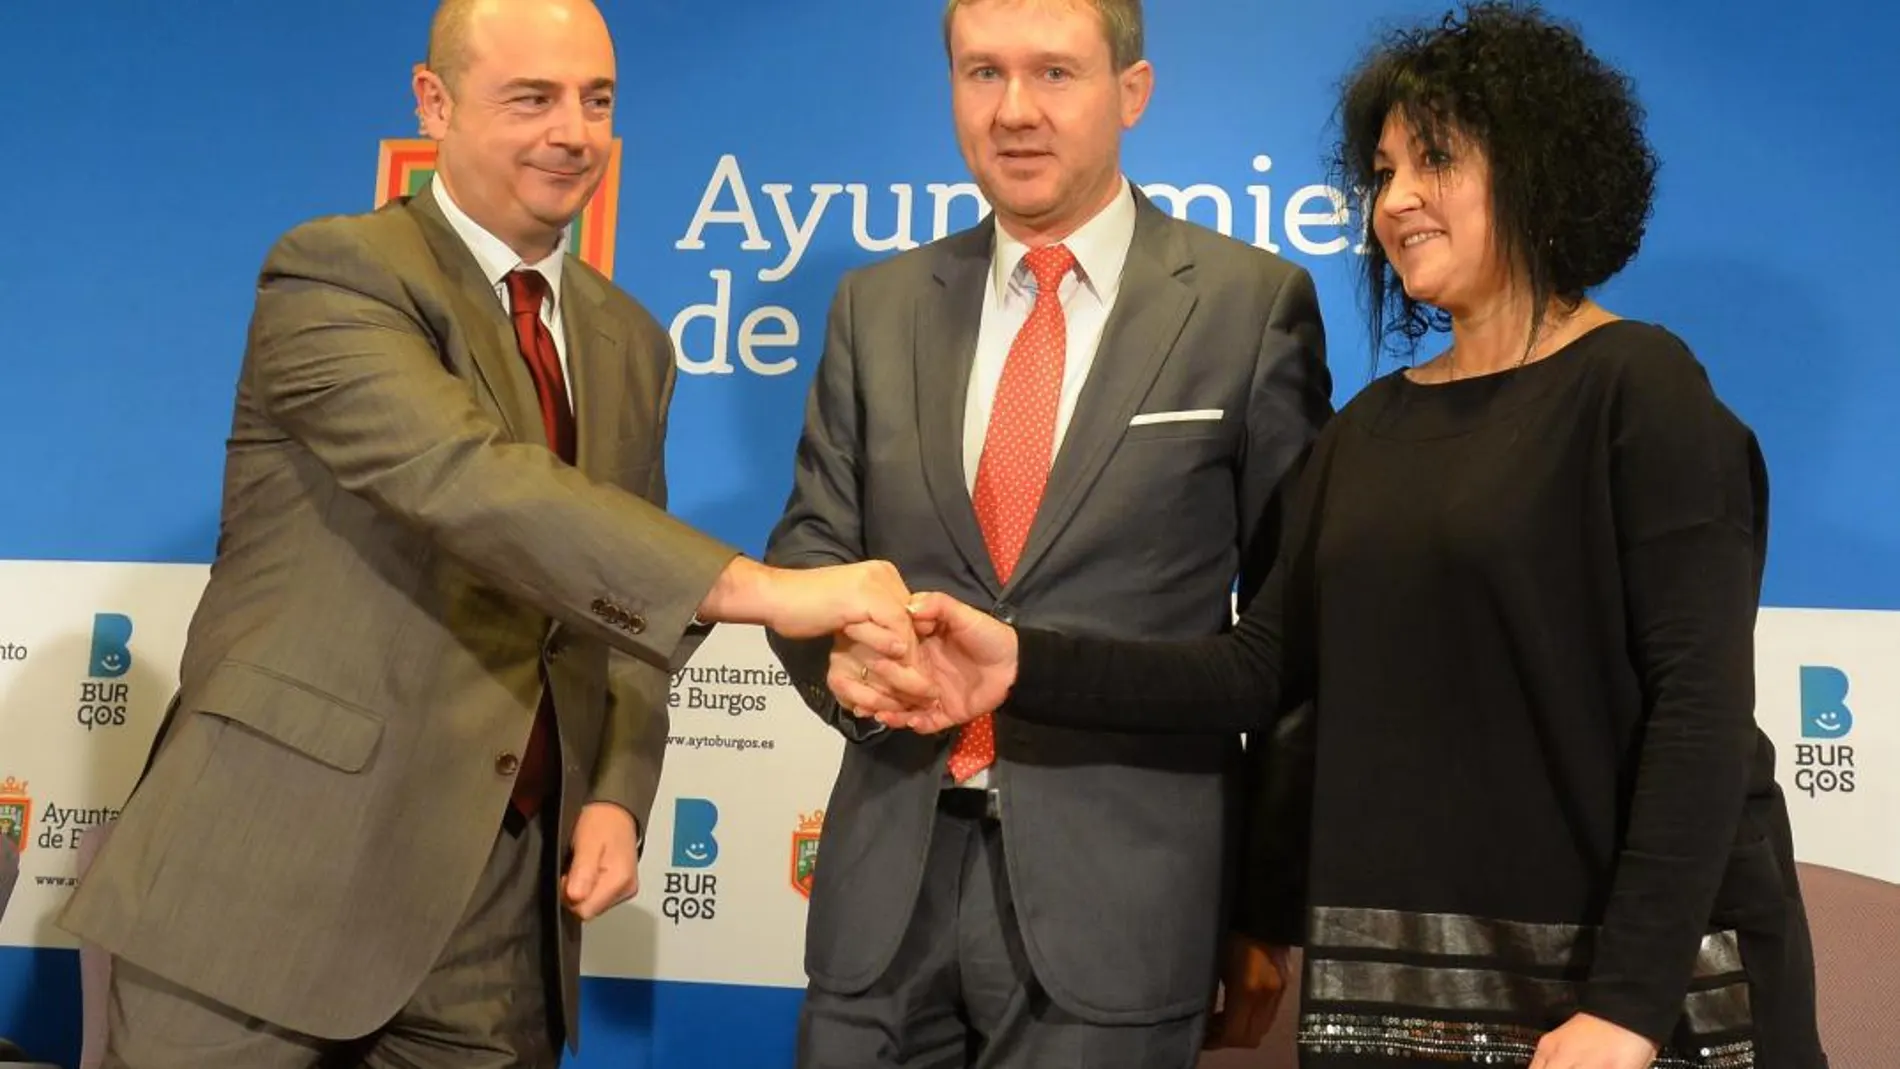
<point x="1073" y="414"/>
<point x="422" y="706"/>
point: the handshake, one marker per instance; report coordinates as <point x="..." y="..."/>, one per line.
<point x="924" y="662"/>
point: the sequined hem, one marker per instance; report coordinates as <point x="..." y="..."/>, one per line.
<point x="1469" y="1043"/>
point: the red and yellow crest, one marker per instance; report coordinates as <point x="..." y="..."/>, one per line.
<point x="16" y="814"/>
<point x="407" y="163"/>
<point x="805" y="850"/>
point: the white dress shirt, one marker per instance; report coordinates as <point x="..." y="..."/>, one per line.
<point x="1088" y="296"/>
<point x="497" y="260"/>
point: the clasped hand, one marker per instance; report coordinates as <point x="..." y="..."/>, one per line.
<point x="926" y="662"/>
<point x="955" y="665"/>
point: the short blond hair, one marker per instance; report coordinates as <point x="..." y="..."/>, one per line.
<point x="1121" y="22"/>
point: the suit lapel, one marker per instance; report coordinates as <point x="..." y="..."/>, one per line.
<point x="594" y="362"/>
<point x="1152" y="307"/>
<point x="497" y="356"/>
<point x="949" y="316"/>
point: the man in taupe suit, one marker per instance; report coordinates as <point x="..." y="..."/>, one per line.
<point x="1074" y="415"/>
<point x="422" y="704"/>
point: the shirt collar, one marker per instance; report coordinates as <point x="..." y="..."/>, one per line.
<point x="1100" y="247"/>
<point x="492" y="254"/>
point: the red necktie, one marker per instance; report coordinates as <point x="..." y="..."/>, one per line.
<point x="526" y="292"/>
<point x="1017" y="449"/>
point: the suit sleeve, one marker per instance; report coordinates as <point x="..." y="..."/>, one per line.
<point x="341" y="369"/>
<point x="822" y="523"/>
<point x="1291" y="402"/>
<point x="633" y="745"/>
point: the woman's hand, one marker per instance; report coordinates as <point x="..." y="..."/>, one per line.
<point x="1586" y="1042"/>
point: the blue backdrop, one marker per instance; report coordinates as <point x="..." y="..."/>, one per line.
<point x="156" y="149"/>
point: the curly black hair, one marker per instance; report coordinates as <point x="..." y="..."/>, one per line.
<point x="1572" y="174"/>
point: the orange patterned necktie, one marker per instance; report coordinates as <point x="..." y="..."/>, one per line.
<point x="1017" y="449"/>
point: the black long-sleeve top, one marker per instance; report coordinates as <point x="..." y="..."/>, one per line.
<point x="1522" y="606"/>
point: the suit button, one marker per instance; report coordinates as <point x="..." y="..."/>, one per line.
<point x="636" y="623"/>
<point x="556" y="650"/>
<point x="507" y="764"/>
<point x="1005" y="613"/>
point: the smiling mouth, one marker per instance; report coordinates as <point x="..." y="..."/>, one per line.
<point x="1421" y="238"/>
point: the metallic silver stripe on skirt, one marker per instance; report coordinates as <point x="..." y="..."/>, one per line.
<point x="1462" y="977"/>
<point x="1724" y="1009"/>
<point x="1525" y="943"/>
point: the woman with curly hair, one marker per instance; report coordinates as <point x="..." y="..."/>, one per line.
<point x="1517" y="584"/>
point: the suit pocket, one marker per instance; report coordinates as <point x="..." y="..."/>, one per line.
<point x="315" y="724"/>
<point x="1175" y="431"/>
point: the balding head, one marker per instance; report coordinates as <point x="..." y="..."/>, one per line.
<point x="456" y="28"/>
<point x="448" y="39"/>
<point x="518" y="95"/>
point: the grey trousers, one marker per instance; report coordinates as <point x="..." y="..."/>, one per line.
<point x="960" y="993"/>
<point x="487" y="1004"/>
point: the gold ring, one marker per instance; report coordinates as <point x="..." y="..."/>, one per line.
<point x="864" y="672"/>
